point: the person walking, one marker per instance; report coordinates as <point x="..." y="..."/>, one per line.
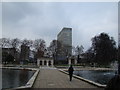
<point x="70" y="70"/>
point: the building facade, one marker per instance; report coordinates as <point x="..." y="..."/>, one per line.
<point x="64" y="45"/>
<point x="65" y="38"/>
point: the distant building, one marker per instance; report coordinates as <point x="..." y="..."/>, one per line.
<point x="64" y="45"/>
<point x="72" y="60"/>
<point x="65" y="38"/>
<point x="24" y="55"/>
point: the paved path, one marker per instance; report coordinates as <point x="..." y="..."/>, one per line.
<point x="52" y="78"/>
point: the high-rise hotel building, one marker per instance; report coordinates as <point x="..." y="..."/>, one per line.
<point x="65" y="38"/>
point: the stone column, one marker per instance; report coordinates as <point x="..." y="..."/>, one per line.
<point x="47" y="63"/>
<point x="69" y="61"/>
<point x="42" y="62"/>
<point x="52" y="63"/>
<point x="38" y="62"/>
<point x="75" y="61"/>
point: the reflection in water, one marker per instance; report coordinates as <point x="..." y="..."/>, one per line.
<point x="15" y="78"/>
<point x="21" y="78"/>
<point x="98" y="76"/>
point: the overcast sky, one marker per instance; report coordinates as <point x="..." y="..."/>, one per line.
<point x="45" y="20"/>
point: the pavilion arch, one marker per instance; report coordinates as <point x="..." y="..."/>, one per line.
<point x="49" y="63"/>
<point x="72" y="60"/>
<point x="45" y="62"/>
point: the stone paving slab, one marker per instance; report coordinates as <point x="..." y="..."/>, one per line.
<point x="53" y="78"/>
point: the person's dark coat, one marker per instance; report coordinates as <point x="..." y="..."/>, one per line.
<point x="70" y="70"/>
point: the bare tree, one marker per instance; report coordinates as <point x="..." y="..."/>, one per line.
<point x="39" y="46"/>
<point x="79" y="51"/>
<point x="28" y="43"/>
<point x="15" y="43"/>
<point x="53" y="48"/>
<point x="73" y="50"/>
<point x="4" y="42"/>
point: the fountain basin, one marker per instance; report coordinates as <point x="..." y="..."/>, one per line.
<point x="18" y="78"/>
<point x="98" y="76"/>
<point x="75" y="75"/>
